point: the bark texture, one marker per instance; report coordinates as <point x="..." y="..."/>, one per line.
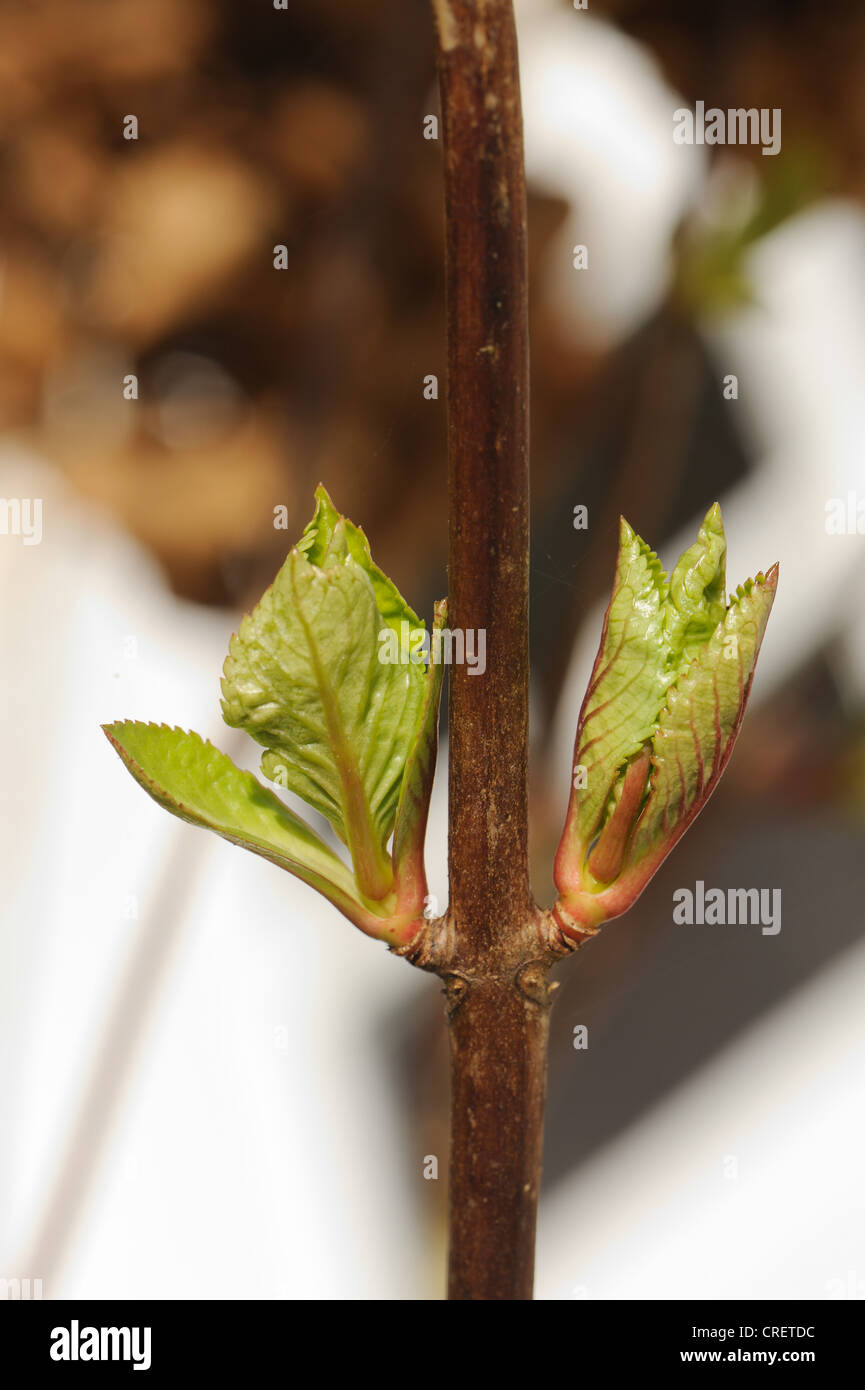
<point x="494" y="948"/>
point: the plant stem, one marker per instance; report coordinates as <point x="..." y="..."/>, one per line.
<point x="488" y="584"/>
<point x="498" y="1080"/>
<point x="493" y="956"/>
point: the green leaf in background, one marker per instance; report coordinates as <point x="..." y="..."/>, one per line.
<point x="304" y="678"/>
<point x="711" y="273"/>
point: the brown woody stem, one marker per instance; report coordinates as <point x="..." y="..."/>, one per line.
<point x="488" y="584"/>
<point x="498" y="1049"/>
<point x="494" y="962"/>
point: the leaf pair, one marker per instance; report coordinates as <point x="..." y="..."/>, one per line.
<point x="659" y="719"/>
<point x="310" y="675"/>
<point x="352" y="734"/>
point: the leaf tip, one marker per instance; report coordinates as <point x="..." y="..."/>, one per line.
<point x="770" y="579"/>
<point x="110" y="732"/>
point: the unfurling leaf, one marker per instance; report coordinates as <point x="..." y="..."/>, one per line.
<point x="195" y="781"/>
<point x="662" y="711"/>
<point x="352" y="734"/>
<point x="304" y="678"/>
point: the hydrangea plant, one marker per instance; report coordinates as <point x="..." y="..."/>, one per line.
<point x="354" y="736"/>
<point x="664" y="705"/>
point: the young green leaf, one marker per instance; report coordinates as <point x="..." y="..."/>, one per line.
<point x="696" y="600"/>
<point x="701" y="717"/>
<point x="305" y="678"/>
<point x="662" y="712"/>
<point x="199" y="784"/>
<point x="629" y="680"/>
<point x="411" y="817"/>
<point x="328" y="674"/>
<point x="329" y="538"/>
